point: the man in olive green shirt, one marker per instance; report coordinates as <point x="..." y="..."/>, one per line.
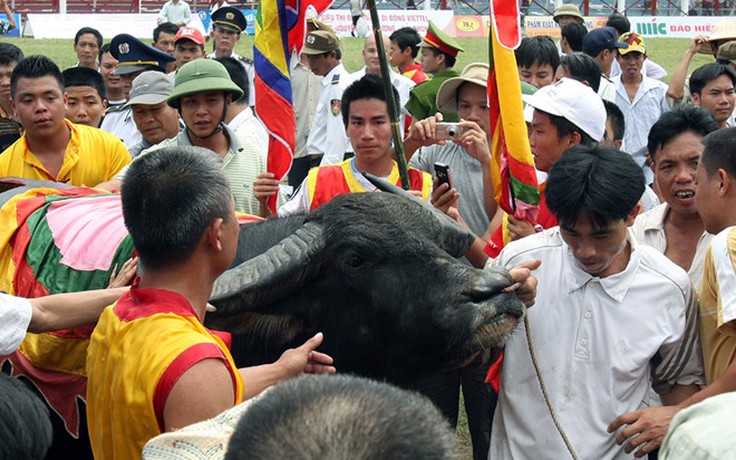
<point x="438" y="55"/>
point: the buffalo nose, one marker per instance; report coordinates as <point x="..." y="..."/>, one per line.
<point x="490" y="284"/>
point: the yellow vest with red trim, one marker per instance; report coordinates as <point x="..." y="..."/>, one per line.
<point x="326" y="182"/>
<point x="140" y="347"/>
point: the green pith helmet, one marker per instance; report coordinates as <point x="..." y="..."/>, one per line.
<point x="199" y="76"/>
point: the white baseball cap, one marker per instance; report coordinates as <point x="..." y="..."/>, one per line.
<point x="574" y="101"/>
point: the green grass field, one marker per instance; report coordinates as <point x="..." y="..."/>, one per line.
<point x="667" y="52"/>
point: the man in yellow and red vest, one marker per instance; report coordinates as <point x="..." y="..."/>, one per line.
<point x="368" y="126"/>
<point x="152" y="365"/>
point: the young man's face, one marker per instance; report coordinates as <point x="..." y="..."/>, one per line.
<point x="186" y="50"/>
<point x="369" y="129"/>
<point x="156" y="122"/>
<point x="225" y="40"/>
<point x="631" y="64"/>
<point x="472" y="105"/>
<point x="397" y="57"/>
<point x="108" y="65"/>
<point x="674" y="167"/>
<point x="547" y="146"/>
<point x="718" y="98"/>
<point x="599" y="251"/>
<point x="165" y="42"/>
<point x="87" y="49"/>
<point x="6" y="70"/>
<point x="538" y="75"/>
<point x="610" y="136"/>
<point x="707" y="201"/>
<point x="431" y="63"/>
<point x="40" y="105"/>
<point x="84" y="105"/>
<point x="202" y="112"/>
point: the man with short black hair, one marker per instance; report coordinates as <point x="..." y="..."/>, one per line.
<point x="51" y="147"/>
<point x="113" y="83"/>
<point x="712" y="88"/>
<point x="537" y="60"/>
<point x="163" y="39"/>
<point x="601" y="296"/>
<point x="84" y="90"/>
<point x="87" y="43"/>
<point x="403" y="51"/>
<point x="152" y="366"/>
<point x="572" y="37"/>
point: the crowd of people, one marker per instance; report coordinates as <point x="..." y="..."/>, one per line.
<point x="631" y="254"/>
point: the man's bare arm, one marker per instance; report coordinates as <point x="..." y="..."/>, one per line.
<point x="74" y="309"/>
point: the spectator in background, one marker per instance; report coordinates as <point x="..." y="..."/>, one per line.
<point x="6" y="25"/>
<point x="188" y="46"/>
<point x="601" y="44"/>
<point x="537" y="59"/>
<point x="642" y="99"/>
<point x="87" y="44"/>
<point x="175" y="11"/>
<point x="356" y="11"/>
<point x="726" y="54"/>
<point x="327" y="139"/>
<point x="572" y="37"/>
<point x="10" y="128"/>
<point x="134" y="57"/>
<point x="228" y="24"/>
<point x="564" y="15"/>
<point x="621" y="25"/>
<point x="580" y="67"/>
<point x="439" y="54"/>
<point x="163" y="39"/>
<point x="240" y="116"/>
<point x="84" y="91"/>
<point x="153" y="117"/>
<point x="53" y="148"/>
<point x="403" y="52"/>
<point x="712" y="88"/>
<point x="305" y="87"/>
<point x="113" y="83"/>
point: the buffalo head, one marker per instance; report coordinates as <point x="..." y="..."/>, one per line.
<point x="377" y="274"/>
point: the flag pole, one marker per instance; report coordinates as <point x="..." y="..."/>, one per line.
<point x="393" y="109"/>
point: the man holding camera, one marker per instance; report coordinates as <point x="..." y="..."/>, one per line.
<point x="456" y="145"/>
<point x="459" y="146"/>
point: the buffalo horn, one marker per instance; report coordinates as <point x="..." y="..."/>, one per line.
<point x="271" y="275"/>
<point x="453" y="239"/>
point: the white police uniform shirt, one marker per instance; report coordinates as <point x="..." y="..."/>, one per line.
<point x="119" y="122"/>
<point x="327" y="136"/>
<point x="403" y="86"/>
<point x="15" y="316"/>
<point x="249" y="70"/>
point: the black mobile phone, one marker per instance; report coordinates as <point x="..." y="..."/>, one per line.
<point x="442" y="172"/>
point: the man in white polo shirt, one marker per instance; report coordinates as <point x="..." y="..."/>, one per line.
<point x="610" y="315"/>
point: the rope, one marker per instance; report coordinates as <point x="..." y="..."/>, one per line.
<point x="547" y="401"/>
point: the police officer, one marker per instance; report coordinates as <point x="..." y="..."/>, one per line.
<point x="438" y="54"/>
<point x="327" y="141"/>
<point x="227" y="25"/>
<point x="134" y="57"/>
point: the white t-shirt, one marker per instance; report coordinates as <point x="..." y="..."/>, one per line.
<point x="15" y="316"/>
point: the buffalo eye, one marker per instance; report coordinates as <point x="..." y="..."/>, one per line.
<point x="353" y="259"/>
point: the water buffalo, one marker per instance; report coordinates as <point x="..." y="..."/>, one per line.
<point x="376" y="272"/>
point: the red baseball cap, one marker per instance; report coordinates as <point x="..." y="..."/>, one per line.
<point x="189" y="33"/>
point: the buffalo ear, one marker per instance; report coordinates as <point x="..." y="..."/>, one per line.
<point x="276" y="273"/>
<point x="452" y="238"/>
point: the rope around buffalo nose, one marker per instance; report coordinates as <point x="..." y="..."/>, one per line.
<point x="547" y="400"/>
